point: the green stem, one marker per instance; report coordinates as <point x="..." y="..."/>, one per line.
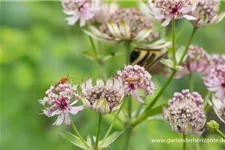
<point x="93" y="45"/>
<point x="174" y="43"/>
<point x="78" y="134"/>
<point x="161" y="91"/>
<point x="114" y="120"/>
<point x="220" y="133"/>
<point x="139" y="110"/>
<point x="191" y="82"/>
<point x="98" y="132"/>
<point x="129" y="101"/>
<point x="127" y="134"/>
<point x="184" y="143"/>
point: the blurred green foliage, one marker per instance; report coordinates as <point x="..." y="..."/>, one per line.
<point x="38" y="48"/>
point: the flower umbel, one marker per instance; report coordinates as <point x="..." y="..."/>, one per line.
<point x="102" y="15"/>
<point x="59" y="101"/>
<point x="215" y="81"/>
<point x="170" y="9"/>
<point x="134" y="79"/>
<point x="103" y="98"/>
<point x="206" y="13"/>
<point x="125" y="25"/>
<point x="78" y="10"/>
<point x="198" y="60"/>
<point x="185" y="113"/>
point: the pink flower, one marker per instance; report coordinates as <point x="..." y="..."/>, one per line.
<point x="185" y="113"/>
<point x="215" y="81"/>
<point x="218" y="59"/>
<point x="82" y="10"/>
<point x="136" y="78"/>
<point x="170" y="9"/>
<point x="198" y="60"/>
<point x="59" y="101"/>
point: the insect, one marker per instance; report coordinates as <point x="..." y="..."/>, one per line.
<point x="63" y="80"/>
<point x="132" y="79"/>
<point x="153" y="1"/>
<point x="149" y="59"/>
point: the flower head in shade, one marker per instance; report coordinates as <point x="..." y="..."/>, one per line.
<point x="136" y="79"/>
<point x="206" y="13"/>
<point x="185" y="113"/>
<point x="82" y="10"/>
<point x="102" y="15"/>
<point x="60" y="100"/>
<point x="124" y="25"/>
<point x="197" y="60"/>
<point x="218" y="59"/>
<point x="219" y="107"/>
<point x="170" y="9"/>
<point x="215" y="81"/>
<point x="103" y="98"/>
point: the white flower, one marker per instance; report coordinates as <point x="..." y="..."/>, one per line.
<point x="170" y="9"/>
<point x="82" y="10"/>
<point x="103" y="98"/>
<point x="206" y="13"/>
<point x="219" y="107"/>
<point x="60" y="101"/>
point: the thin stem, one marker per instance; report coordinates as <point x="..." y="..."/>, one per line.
<point x="93" y="45"/>
<point x="114" y="120"/>
<point x="139" y="110"/>
<point x="220" y="133"/>
<point x="129" y="101"/>
<point x="161" y="91"/>
<point x="128" y="132"/>
<point x="78" y="134"/>
<point x="98" y="132"/>
<point x="174" y="43"/>
<point x="191" y="82"/>
<point x="184" y="143"/>
<point x="189" y="42"/>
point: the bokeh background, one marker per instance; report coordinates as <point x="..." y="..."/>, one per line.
<point x="38" y="48"/>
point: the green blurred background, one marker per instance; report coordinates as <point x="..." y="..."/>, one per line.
<point x="38" y="48"/>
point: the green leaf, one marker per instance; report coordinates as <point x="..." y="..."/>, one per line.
<point x="179" y="54"/>
<point x="74" y="139"/>
<point x="90" y="56"/>
<point x="108" y="57"/>
<point x="167" y="62"/>
<point x="110" y="139"/>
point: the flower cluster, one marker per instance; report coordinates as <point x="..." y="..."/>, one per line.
<point x="206" y="13"/>
<point x="197" y="60"/>
<point x="170" y="9"/>
<point x="59" y="101"/>
<point x="103" y="98"/>
<point x="102" y="15"/>
<point x="215" y="81"/>
<point x="185" y="113"/>
<point x="82" y="10"/>
<point x="136" y="78"/>
<point x="125" y="25"/>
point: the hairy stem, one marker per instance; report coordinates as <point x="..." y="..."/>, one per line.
<point x="98" y="132"/>
<point x="78" y="134"/>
